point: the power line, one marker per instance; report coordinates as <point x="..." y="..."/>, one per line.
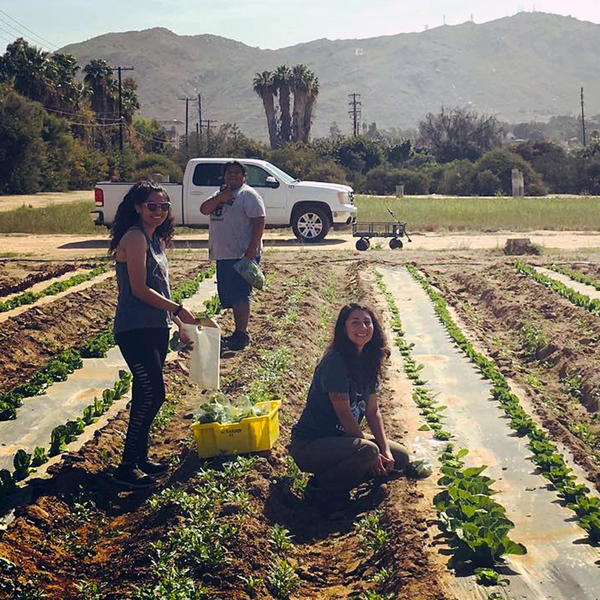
<point x="76" y="114"/>
<point x="146" y="136"/>
<point x="48" y="42"/>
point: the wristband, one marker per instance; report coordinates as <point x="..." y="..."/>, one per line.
<point x="177" y="310"/>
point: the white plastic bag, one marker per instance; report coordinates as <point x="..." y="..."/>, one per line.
<point x="420" y="464"/>
<point x="205" y="356"/>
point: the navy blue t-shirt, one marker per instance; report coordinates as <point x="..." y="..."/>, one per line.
<point x="318" y="418"/>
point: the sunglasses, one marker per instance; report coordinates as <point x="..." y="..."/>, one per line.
<point x="152" y="206"/>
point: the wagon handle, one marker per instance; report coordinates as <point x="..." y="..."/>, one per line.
<point x="395" y="219"/>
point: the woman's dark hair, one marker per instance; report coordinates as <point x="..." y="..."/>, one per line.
<point x="369" y="362"/>
<point x="127" y="215"/>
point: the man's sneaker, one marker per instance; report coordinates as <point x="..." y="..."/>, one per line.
<point x="152" y="468"/>
<point x="132" y="477"/>
<point x="238" y="341"/>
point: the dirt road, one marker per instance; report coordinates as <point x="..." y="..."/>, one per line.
<point x="57" y="247"/>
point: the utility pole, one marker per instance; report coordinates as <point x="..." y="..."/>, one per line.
<point x="582" y="120"/>
<point x="200" y="116"/>
<point x="208" y="123"/>
<point x="119" y="69"/>
<point x="187" y="114"/>
<point x="354" y="112"/>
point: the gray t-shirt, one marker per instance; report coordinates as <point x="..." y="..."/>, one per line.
<point x="331" y="375"/>
<point x="230" y="227"/>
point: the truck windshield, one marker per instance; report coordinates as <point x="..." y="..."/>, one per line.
<point x="283" y="175"/>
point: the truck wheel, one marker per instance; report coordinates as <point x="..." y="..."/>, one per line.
<point x="310" y="224"/>
<point x="396" y="243"/>
<point x="362" y="244"/>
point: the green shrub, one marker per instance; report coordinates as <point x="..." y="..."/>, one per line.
<point x="501" y="163"/>
<point x="157" y="163"/>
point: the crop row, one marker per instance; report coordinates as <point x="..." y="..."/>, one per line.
<point x="59" y="368"/>
<point x="23" y="461"/>
<point x="565" y="291"/>
<point x="475" y="525"/>
<point x="548" y="459"/>
<point x="34" y="278"/>
<point x="64" y="434"/>
<point x="576" y="276"/>
<point x="52" y="289"/>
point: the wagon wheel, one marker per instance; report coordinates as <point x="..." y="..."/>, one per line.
<point x="396" y="243"/>
<point x="362" y="244"/>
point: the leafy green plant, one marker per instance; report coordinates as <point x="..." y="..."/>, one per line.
<point x="39" y="456"/>
<point x="383" y="576"/>
<point x="22" y="464"/>
<point x="371" y="535"/>
<point x="282" y="579"/>
<point x="572" y="384"/>
<point x="90" y="590"/>
<point x="280" y="539"/>
<point x="252" y="584"/>
<point x="487" y="576"/>
<point x="293" y="476"/>
<point x="7" y="483"/>
<point x="373" y="595"/>
<point x="533" y="338"/>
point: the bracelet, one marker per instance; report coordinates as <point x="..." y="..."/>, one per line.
<point x="177" y="310"/>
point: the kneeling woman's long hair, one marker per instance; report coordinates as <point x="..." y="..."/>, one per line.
<point x="127" y="216"/>
<point x="369" y="363"/>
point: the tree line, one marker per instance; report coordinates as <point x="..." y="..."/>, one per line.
<point x="59" y="131"/>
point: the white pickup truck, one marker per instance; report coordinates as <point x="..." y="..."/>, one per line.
<point x="310" y="208"/>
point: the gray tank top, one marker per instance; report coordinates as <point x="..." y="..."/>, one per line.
<point x="131" y="312"/>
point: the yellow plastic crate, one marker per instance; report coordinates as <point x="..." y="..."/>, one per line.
<point x="249" y="435"/>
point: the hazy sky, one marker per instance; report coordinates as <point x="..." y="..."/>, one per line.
<point x="265" y="23"/>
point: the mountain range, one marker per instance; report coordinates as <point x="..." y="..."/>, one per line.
<point x="530" y="66"/>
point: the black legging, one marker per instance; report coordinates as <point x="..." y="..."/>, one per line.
<point x="144" y="351"/>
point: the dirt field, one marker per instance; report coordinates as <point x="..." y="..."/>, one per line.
<point x="77" y="528"/>
<point x="44" y="199"/>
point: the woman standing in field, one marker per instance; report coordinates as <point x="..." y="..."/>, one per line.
<point x="142" y="229"/>
<point x="327" y="440"/>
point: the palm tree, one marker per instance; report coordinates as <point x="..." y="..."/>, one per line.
<point x="100" y="81"/>
<point x="311" y="99"/>
<point x="300" y="84"/>
<point x="68" y="92"/>
<point x="282" y="80"/>
<point x="25" y="67"/>
<point x="264" y="87"/>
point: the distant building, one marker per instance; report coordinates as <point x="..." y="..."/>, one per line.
<point x="174" y="129"/>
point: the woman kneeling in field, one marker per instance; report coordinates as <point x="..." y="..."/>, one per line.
<point x="327" y="440"/>
<point x="142" y="229"/>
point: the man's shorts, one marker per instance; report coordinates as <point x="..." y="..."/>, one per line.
<point x="231" y="286"/>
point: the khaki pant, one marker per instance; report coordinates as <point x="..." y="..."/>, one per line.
<point x="342" y="462"/>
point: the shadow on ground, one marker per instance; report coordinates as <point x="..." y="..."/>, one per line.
<point x="183" y="243"/>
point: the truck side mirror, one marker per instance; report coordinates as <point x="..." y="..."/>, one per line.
<point x="271" y="182"/>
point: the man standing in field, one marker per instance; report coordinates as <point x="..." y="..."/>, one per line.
<point x="237" y="222"/>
